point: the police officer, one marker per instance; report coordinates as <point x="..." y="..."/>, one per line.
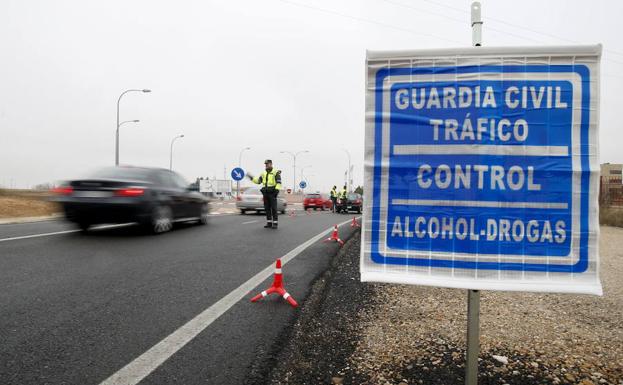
<point x="334" y="197"/>
<point x="270" y="180"/>
<point x="343" y="196"/>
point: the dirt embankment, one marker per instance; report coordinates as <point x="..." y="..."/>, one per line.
<point x="611" y="216"/>
<point x="25" y="203"/>
<point x="378" y="334"/>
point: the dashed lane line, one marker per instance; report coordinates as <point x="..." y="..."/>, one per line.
<point x="143" y="365"/>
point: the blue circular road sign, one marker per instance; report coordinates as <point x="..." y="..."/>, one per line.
<point x="237" y="174"/>
<point x="303" y="184"/>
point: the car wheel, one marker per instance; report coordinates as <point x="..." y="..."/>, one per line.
<point x="359" y="210"/>
<point x="204" y="214"/>
<point x="243" y="211"/>
<point x="161" y="220"/>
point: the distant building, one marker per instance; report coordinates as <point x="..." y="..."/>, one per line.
<point x="611" y="184"/>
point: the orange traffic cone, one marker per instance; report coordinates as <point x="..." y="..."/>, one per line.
<point x="335" y="237"/>
<point x="276" y="287"/>
<point x="354" y="223"/>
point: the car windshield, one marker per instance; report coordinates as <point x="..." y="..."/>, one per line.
<point x="132" y="173"/>
<point x="353" y="197"/>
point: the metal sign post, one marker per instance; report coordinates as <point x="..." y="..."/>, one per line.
<point x="473" y="337"/>
<point x="476" y="24"/>
<point x="473" y="296"/>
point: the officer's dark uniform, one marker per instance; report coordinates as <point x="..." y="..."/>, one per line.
<point x="270" y="180"/>
<point x="334" y="197"/>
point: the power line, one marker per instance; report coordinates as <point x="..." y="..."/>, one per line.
<point x="411" y="31"/>
<point x="517" y="26"/>
<point x="462" y="21"/>
<point x="489" y="27"/>
<point x="369" y="21"/>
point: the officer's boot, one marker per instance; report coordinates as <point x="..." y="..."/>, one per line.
<point x="275" y="224"/>
<point x="269" y="224"/>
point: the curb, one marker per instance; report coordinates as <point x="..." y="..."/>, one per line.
<point x="11" y="221"/>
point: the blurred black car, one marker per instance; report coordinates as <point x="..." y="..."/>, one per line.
<point x="153" y="197"/>
<point x="353" y="202"/>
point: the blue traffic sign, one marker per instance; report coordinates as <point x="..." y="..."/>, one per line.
<point x="302" y="184"/>
<point x="481" y="167"/>
<point x="237" y="174"/>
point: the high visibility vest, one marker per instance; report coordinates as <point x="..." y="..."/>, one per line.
<point x="333" y="193"/>
<point x="269" y="180"/>
<point x="343" y="194"/>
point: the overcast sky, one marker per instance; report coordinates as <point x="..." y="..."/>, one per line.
<point x="273" y="75"/>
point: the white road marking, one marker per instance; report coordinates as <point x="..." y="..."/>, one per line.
<point x="143" y="365"/>
<point x="222" y="213"/>
<point x="102" y="227"/>
<point x="62" y="232"/>
<point x="29" y="220"/>
<point x="246" y="223"/>
<point x="37" y="235"/>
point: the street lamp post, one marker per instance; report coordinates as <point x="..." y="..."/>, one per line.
<point x="117" y="147"/>
<point x="240" y="165"/>
<point x="171" y="156"/>
<point x="128" y="121"/>
<point x="294" y="155"/>
<point x="119" y="124"/>
<point x="348" y="177"/>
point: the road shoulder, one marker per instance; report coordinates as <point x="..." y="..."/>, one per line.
<point x="350" y="332"/>
<point x="317" y="346"/>
<point x="18" y="220"/>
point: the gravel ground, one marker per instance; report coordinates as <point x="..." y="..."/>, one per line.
<point x="546" y="338"/>
<point x="353" y="333"/>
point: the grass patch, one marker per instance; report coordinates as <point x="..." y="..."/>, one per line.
<point x="26" y="203"/>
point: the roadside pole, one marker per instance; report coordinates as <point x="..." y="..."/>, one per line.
<point x="473" y="337"/>
<point x="473" y="296"/>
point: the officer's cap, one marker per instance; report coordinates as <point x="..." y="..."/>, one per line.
<point x="267" y="161"/>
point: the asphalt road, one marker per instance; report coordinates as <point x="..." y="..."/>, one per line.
<point x="76" y="308"/>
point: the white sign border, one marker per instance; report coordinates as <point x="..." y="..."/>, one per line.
<point x="569" y="282"/>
